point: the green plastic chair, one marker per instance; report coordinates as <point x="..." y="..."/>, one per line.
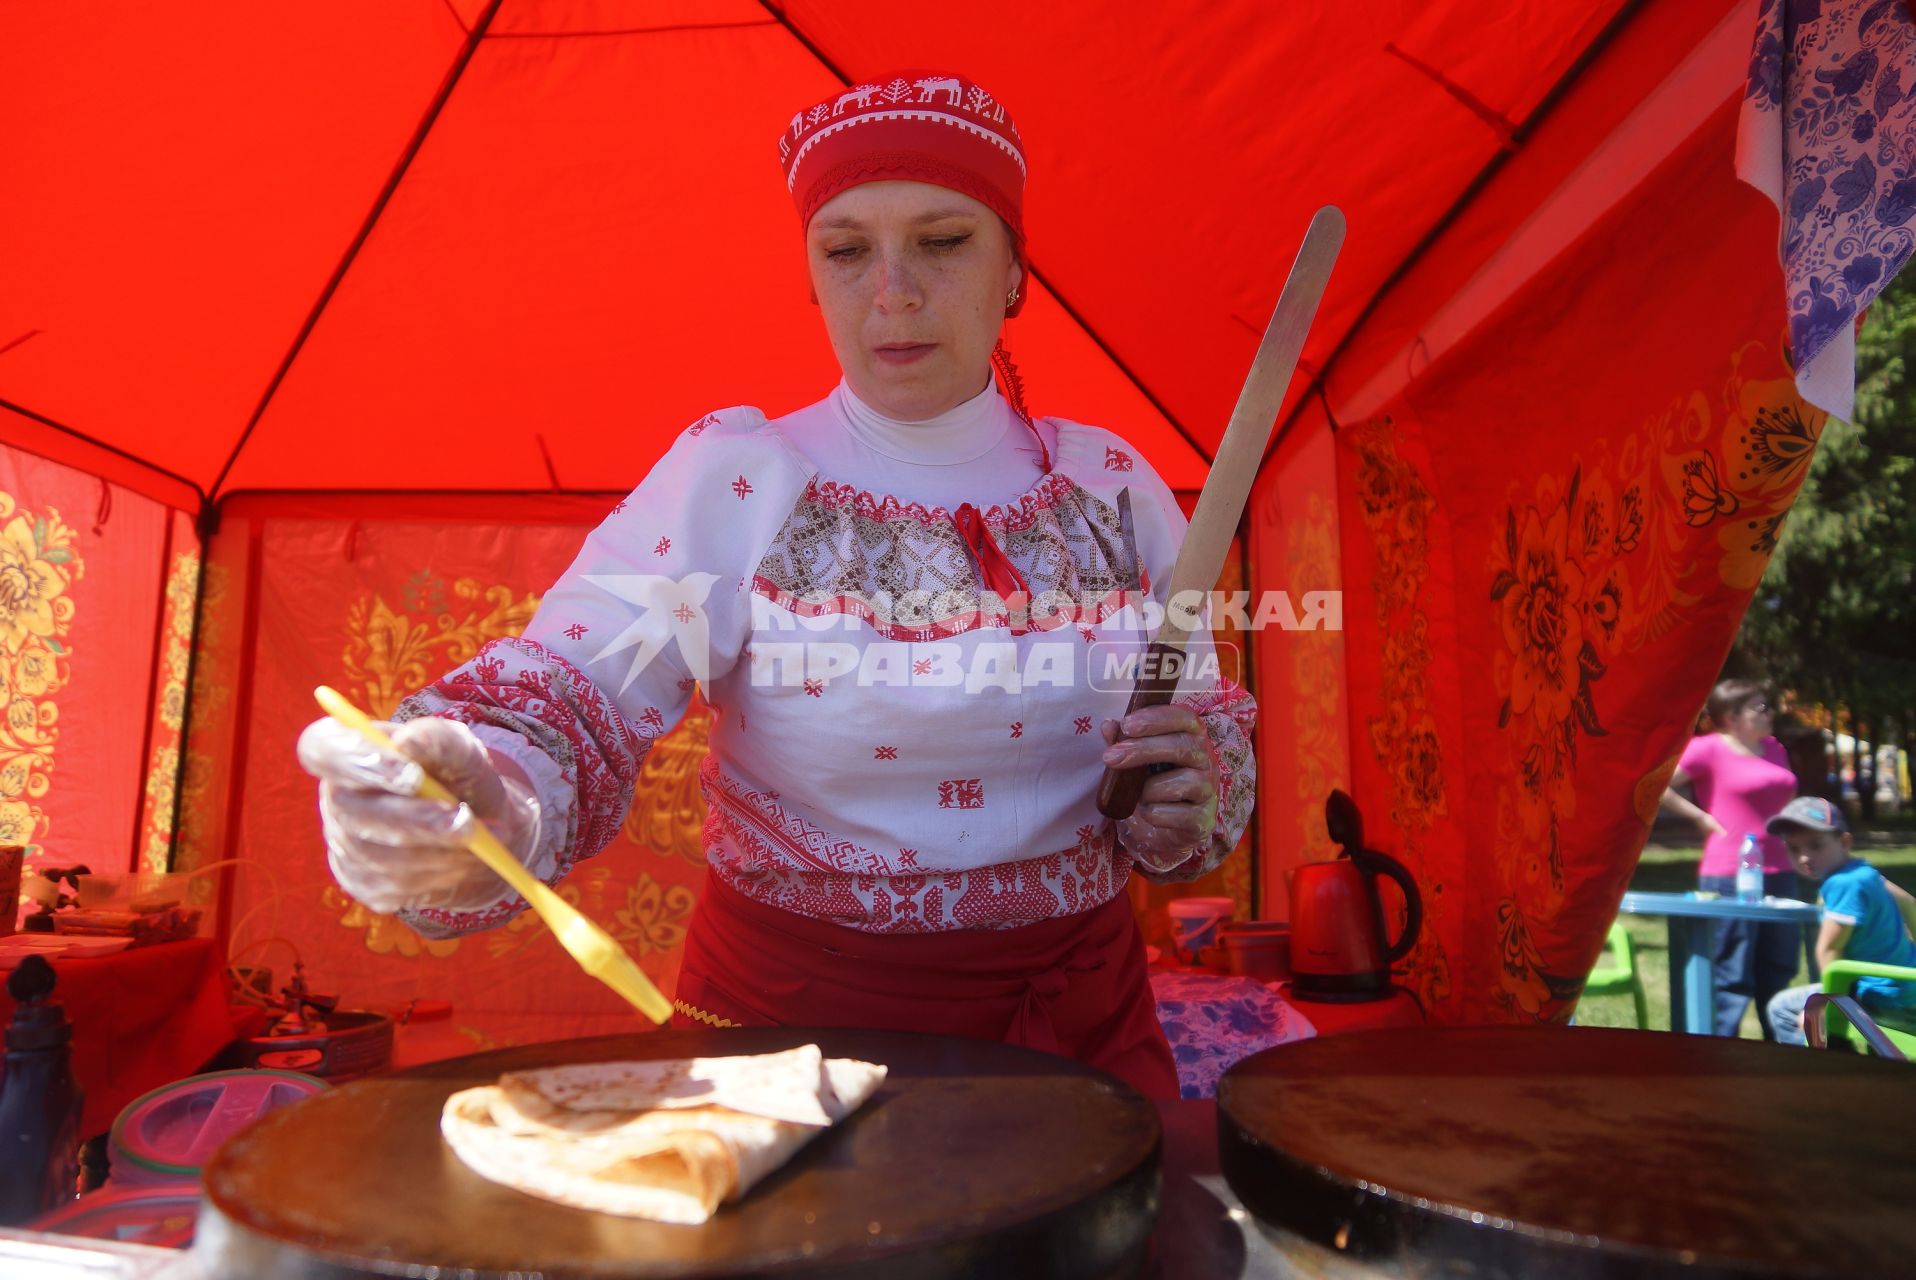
<point x="1837" y="980"/>
<point x="1616" y="972"/>
<point x="1817" y="1011"/>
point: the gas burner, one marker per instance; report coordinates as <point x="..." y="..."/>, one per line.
<point x="302" y="1013"/>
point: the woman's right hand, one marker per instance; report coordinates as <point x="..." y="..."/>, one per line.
<point x="392" y="849"/>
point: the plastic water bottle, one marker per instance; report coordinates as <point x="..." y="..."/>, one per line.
<point x="1749" y="870"/>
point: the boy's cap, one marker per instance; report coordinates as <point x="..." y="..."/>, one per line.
<point x="1808" y="813"/>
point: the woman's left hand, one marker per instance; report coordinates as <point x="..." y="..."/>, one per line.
<point x="1178" y="810"/>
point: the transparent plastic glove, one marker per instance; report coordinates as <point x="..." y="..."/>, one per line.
<point x="393" y="850"/>
<point x="1177" y="812"/>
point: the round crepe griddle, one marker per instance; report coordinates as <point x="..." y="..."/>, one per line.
<point x="1577" y="1151"/>
<point x="972" y="1159"/>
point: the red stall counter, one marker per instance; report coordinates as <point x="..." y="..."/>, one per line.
<point x="141" y="1018"/>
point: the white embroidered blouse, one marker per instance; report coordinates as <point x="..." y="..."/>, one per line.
<point x="895" y="747"/>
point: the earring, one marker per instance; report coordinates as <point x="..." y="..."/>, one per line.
<point x="1011" y="299"/>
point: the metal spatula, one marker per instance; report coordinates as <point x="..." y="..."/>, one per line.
<point x="1221" y="504"/>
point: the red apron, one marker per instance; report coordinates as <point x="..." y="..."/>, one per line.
<point x="1074" y="985"/>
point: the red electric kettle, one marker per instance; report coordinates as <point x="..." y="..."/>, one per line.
<point x="1338" y="952"/>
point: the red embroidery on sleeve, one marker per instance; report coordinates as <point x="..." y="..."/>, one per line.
<point x="664" y="545"/>
<point x="1017" y="728"/>
<point x="1082" y="724"/>
<point x="884" y="753"/>
<point x="741" y="487"/>
<point x="523" y="686"/>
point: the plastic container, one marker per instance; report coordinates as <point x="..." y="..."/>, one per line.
<point x="149" y="906"/>
<point x="159" y="1216"/>
<point x="1195" y="922"/>
<point x="110" y="891"/>
<point x="167" y="1135"/>
<point x="353" y="1043"/>
<point x="1258" y="949"/>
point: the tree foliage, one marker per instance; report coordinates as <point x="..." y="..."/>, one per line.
<point x="1835" y="615"/>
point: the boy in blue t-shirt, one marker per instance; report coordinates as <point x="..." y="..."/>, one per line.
<point x="1865" y="917"/>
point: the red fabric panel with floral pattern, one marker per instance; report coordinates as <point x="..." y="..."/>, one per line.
<point x="80" y="598"/>
<point x="1303" y="731"/>
<point x="377" y="608"/>
<point x="1548" y="543"/>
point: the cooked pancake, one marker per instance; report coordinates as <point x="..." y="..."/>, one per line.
<point x="667" y="1140"/>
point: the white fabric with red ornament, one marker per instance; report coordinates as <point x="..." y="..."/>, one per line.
<point x="893" y="747"/>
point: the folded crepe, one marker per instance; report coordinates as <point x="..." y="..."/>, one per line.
<point x="668" y="1140"/>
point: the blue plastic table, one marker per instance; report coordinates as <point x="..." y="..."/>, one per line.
<point x="1692" y="983"/>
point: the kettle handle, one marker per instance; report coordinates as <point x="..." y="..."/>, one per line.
<point x="1373" y="864"/>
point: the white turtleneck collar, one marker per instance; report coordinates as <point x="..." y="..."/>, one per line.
<point x="961" y="434"/>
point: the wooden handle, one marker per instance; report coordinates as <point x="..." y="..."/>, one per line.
<point x="1119" y="789"/>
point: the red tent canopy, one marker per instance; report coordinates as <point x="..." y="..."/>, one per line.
<point x="516" y="245"/>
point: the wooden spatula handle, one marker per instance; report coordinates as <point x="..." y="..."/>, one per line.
<point x="1119" y="789"/>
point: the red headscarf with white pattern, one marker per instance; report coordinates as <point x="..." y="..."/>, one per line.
<point x="911" y="126"/>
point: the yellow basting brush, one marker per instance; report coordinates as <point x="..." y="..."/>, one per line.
<point x="590" y="945"/>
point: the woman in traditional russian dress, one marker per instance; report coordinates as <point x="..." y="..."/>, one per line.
<point x="900" y="603"/>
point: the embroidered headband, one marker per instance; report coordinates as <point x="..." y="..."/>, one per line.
<point x="913" y="126"/>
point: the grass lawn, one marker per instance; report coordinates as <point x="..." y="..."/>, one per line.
<point x="1672" y="870"/>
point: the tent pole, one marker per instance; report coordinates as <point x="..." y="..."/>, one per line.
<point x="351" y="253"/>
<point x="205" y="525"/>
<point x="152" y="690"/>
<point x="1130" y="375"/>
<point x="93" y="466"/>
<point x="242" y="726"/>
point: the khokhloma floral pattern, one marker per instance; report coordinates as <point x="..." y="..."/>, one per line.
<point x="38" y="565"/>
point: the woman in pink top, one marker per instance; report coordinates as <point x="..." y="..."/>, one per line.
<point x="1742" y="779"/>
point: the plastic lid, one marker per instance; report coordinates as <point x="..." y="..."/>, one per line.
<point x="160" y="1217"/>
<point x="176" y="1128"/>
<point x="1200" y="906"/>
